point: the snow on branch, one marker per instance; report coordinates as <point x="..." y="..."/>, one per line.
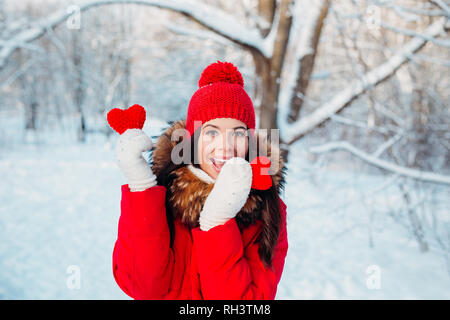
<point x="373" y="160"/>
<point x="195" y="33"/>
<point x="292" y="132"/>
<point x="439" y="42"/>
<point x="212" y="18"/>
<point x="414" y="10"/>
<point x="443" y="6"/>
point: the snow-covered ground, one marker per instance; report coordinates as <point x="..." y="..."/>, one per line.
<point x="60" y="204"/>
<point x="344" y="245"/>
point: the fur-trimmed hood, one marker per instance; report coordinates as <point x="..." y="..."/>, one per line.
<point x="189" y="186"/>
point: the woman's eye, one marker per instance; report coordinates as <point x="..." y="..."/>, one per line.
<point x="211" y="133"/>
<point x="239" y="133"/>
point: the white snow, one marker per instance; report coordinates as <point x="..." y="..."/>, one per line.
<point x="330" y="236"/>
<point x="60" y="204"/>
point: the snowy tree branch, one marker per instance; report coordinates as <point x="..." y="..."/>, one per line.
<point x="414" y="10"/>
<point x="292" y="132"/>
<point x="199" y="34"/>
<point x="387" y="145"/>
<point x="443" y="6"/>
<point x="439" y="42"/>
<point x="210" y="17"/>
<point x="363" y="125"/>
<point x="373" y="160"/>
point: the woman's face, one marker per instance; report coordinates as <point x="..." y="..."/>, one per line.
<point x="221" y="139"/>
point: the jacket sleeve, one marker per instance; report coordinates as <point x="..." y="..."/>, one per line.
<point x="229" y="271"/>
<point x="142" y="258"/>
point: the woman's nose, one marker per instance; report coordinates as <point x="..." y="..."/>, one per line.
<point x="226" y="145"/>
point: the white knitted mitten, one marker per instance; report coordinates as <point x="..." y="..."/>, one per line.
<point x="129" y="148"/>
<point x="229" y="194"/>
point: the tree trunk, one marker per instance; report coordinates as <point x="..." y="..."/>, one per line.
<point x="32" y="110"/>
<point x="268" y="92"/>
<point x="266" y="10"/>
<point x="79" y="87"/>
<point x="306" y="63"/>
<point x="416" y="225"/>
<point x="268" y="70"/>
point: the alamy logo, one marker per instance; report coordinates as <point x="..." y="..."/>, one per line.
<point x="74" y="19"/>
<point x="74" y="277"/>
<point x="373" y="281"/>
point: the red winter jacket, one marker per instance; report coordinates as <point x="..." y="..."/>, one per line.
<point x="221" y="263"/>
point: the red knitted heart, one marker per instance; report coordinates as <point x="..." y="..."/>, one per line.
<point x="131" y="118"/>
<point x="261" y="177"/>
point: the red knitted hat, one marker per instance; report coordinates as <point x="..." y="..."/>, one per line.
<point x="221" y="94"/>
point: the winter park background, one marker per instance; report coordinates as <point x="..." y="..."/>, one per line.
<point x="358" y="89"/>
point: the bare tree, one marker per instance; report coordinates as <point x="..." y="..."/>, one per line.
<point x="280" y="31"/>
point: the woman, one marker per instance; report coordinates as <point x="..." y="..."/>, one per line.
<point x="194" y="229"/>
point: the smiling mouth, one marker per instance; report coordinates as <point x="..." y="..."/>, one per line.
<point x="218" y="163"/>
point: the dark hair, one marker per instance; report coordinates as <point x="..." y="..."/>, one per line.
<point x="269" y="211"/>
<point x="271" y="221"/>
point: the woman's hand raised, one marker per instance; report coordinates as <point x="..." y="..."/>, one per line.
<point x="229" y="194"/>
<point x="129" y="148"/>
